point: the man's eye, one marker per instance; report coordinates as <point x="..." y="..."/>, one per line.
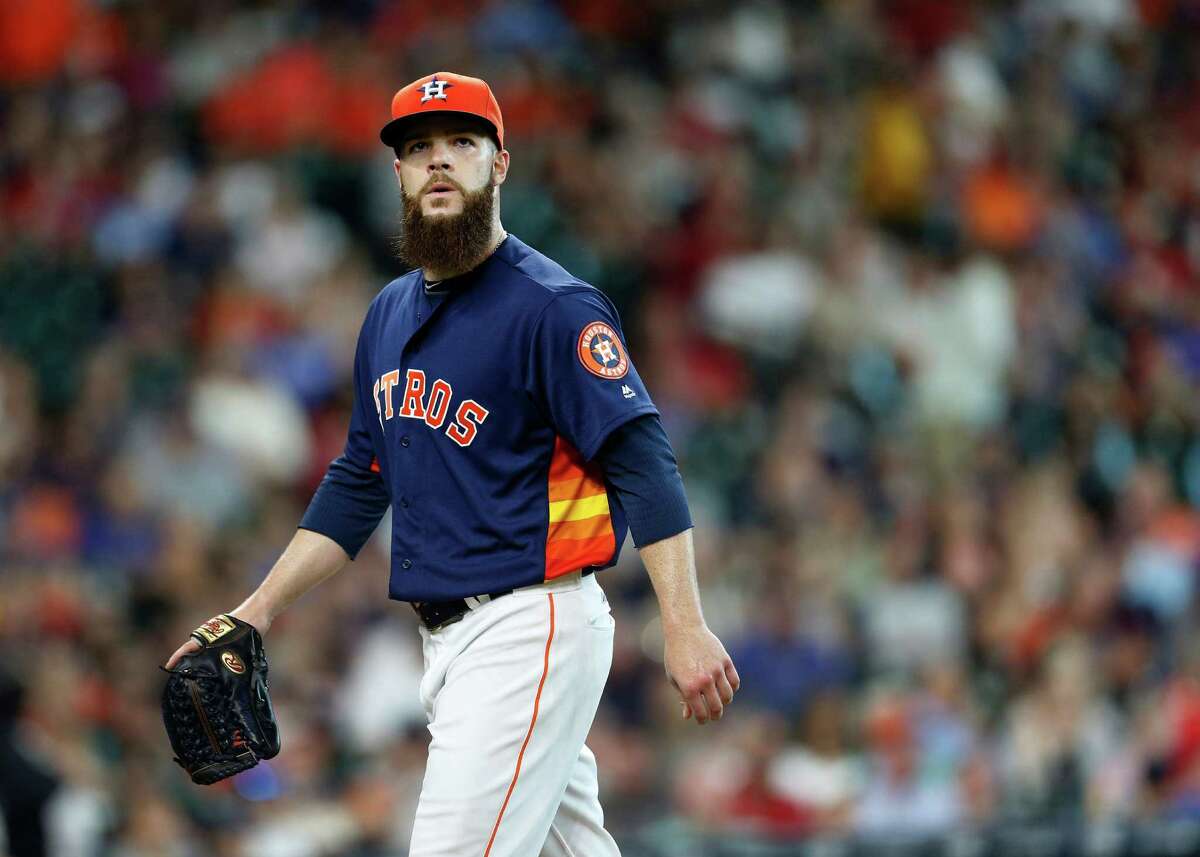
<point x="464" y="141"/>
<point x="415" y="147"/>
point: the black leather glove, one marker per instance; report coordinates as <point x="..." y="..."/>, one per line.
<point x="216" y="703"/>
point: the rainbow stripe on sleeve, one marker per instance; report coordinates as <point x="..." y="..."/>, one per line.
<point x="581" y="531"/>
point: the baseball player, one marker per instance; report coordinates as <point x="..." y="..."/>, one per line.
<point x="499" y="416"/>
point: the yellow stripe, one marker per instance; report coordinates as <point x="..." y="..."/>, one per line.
<point x="577" y="510"/>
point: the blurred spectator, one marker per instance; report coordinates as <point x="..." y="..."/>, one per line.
<point x="904" y="795"/>
<point x="27" y="782"/>
<point x="732" y="788"/>
<point x="18" y="418"/>
<point x="910" y="621"/>
<point x="780" y="666"/>
<point x="821" y="772"/>
<point x="1059" y="735"/>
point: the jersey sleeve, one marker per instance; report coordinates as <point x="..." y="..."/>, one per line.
<point x="580" y="373"/>
<point x="352" y="498"/>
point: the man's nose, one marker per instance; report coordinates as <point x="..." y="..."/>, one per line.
<point x="441" y="158"/>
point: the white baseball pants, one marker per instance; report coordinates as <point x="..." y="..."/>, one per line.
<point x="510" y="691"/>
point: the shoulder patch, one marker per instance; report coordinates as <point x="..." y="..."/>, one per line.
<point x="601" y="352"/>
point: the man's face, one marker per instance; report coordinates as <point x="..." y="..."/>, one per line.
<point x="443" y="158"/>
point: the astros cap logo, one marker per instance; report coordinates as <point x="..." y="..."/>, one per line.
<point x="435" y="88"/>
<point x="600" y="351"/>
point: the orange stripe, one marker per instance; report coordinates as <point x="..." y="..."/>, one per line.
<point x="575" y="489"/>
<point x="567" y="555"/>
<point x="567" y="463"/>
<point x="536" y="702"/>
<point x="588" y="528"/>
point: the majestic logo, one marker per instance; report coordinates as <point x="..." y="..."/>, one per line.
<point x="429" y="402"/>
<point x="601" y="353"/>
<point x="233" y="663"/>
<point x="435" y="88"/>
<point x="627" y="391"/>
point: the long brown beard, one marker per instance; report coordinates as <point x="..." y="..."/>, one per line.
<point x="453" y="243"/>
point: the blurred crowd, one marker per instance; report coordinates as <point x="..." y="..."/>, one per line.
<point x="915" y="285"/>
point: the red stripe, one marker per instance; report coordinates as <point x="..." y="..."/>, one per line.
<point x="533" y="721"/>
<point x="566" y="462"/>
<point x="566" y="555"/>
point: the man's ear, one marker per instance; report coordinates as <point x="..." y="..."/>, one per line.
<point x="499" y="167"/>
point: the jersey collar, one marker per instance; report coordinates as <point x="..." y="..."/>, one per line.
<point x="456" y="284"/>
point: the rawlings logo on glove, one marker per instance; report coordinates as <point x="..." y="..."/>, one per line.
<point x="216" y="703"/>
<point x="214" y="629"/>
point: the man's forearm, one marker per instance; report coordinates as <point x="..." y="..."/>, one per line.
<point x="695" y="661"/>
<point x="309" y="559"/>
<point x="671" y="564"/>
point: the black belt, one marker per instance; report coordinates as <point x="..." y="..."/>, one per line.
<point x="438" y="614"/>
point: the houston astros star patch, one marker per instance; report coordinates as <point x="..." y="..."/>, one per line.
<point x="600" y="351"/>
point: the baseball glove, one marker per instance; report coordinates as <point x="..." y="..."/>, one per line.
<point x="216" y="705"/>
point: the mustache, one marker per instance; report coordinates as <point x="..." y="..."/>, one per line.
<point x="438" y="178"/>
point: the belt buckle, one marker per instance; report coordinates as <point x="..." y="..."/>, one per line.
<point x="419" y="607"/>
<point x="455" y="618"/>
<point x="469" y="603"/>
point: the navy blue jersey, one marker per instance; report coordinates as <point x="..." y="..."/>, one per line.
<point x="477" y="414"/>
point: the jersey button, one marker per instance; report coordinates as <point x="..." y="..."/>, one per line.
<point x="403" y="502"/>
<point x="404" y="441"/>
<point x="406" y="564"/>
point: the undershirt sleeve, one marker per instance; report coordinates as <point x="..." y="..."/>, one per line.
<point x="640" y="465"/>
<point x="347" y="506"/>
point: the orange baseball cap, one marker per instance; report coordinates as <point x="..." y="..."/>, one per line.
<point x="443" y="92"/>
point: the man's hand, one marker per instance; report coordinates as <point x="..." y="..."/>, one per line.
<point x="697" y="664"/>
<point x="261" y="623"/>
<point x="701" y="670"/>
